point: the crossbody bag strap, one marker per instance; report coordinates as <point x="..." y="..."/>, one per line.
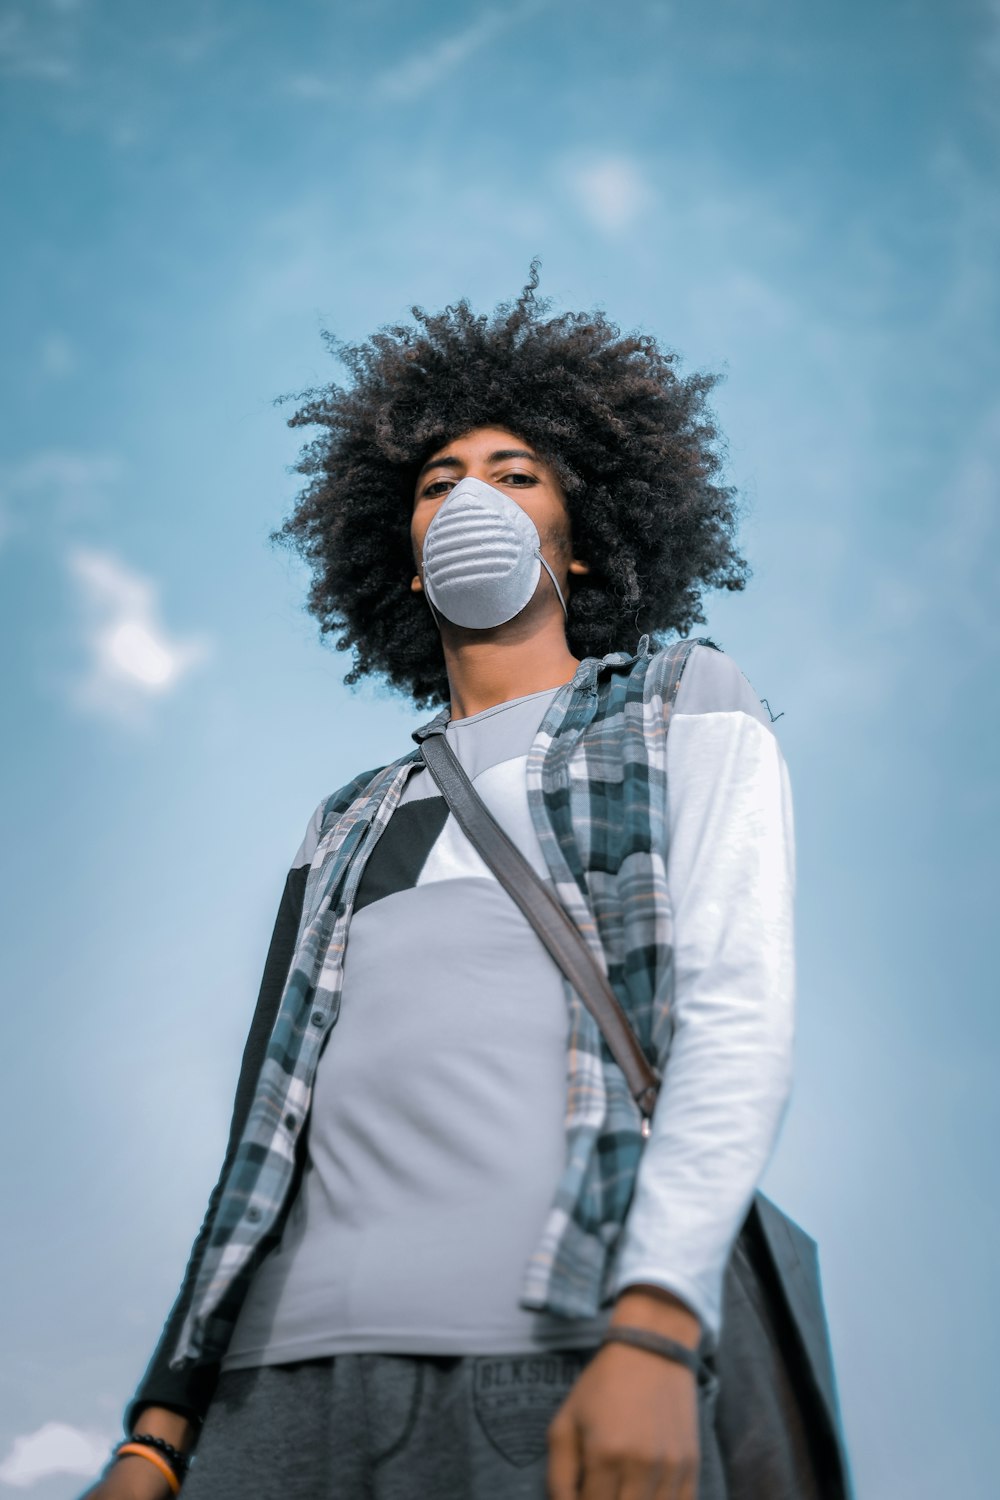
<point x="547" y="917"/>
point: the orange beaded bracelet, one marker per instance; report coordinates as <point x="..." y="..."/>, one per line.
<point x="141" y="1451"/>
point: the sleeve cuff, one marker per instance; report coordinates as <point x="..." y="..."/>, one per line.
<point x="706" y="1309"/>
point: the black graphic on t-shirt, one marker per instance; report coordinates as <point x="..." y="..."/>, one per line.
<point x="400" y="854"/>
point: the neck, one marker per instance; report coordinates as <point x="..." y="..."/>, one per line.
<point x="487" y="667"/>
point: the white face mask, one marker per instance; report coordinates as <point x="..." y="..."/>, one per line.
<point x="482" y="557"/>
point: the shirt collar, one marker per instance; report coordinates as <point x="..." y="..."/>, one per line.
<point x="584" y="680"/>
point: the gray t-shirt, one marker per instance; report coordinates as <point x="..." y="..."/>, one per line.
<point x="427" y="1186"/>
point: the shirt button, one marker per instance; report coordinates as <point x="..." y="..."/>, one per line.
<point x="317" y="1018"/>
<point x="290" y="1122"/>
<point x="253" y="1213"/>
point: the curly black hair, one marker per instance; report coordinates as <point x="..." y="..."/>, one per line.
<point x="633" y="445"/>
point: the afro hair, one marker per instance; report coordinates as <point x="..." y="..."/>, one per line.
<point x="632" y="443"/>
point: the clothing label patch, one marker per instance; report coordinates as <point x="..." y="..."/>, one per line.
<point x="515" y="1400"/>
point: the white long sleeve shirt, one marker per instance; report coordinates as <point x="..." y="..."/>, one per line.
<point x="731" y="875"/>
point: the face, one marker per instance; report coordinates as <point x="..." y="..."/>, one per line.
<point x="507" y="462"/>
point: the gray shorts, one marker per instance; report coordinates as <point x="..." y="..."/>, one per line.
<point x="394" y="1427"/>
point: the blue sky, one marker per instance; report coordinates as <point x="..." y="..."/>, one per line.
<point x="802" y="198"/>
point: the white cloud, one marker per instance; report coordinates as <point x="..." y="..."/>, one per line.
<point x="429" y="67"/>
<point x="57" y="356"/>
<point x="188" y="48"/>
<point x="54" y="487"/>
<point x="424" y="70"/>
<point x="611" y="191"/>
<point x="124" y="135"/>
<point x="132" y="658"/>
<point x="55" y="1448"/>
<point x="26" y="56"/>
<point x="991" y="39"/>
<point x="66" y="470"/>
<point x="312" y="87"/>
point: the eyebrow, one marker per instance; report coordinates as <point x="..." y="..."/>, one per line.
<point x="451" y="462"/>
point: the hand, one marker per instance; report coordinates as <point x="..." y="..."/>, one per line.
<point x="628" y="1430"/>
<point x="130" y="1478"/>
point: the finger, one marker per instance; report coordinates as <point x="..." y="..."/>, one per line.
<point x="563" y="1472"/>
<point x="601" y="1478"/>
<point x="685" y="1483"/>
<point x="647" y="1481"/>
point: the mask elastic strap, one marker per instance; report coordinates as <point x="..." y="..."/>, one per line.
<point x="555" y="585"/>
<point x="437" y="617"/>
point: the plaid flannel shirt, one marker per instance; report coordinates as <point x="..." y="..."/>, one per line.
<point x="597" y="792"/>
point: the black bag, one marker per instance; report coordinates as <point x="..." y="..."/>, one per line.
<point x="777" y="1416"/>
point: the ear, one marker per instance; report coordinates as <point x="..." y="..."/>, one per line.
<point x="577" y="566"/>
<point x="416" y="586"/>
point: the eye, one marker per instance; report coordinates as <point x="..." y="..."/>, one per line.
<point x="438" y="487"/>
<point x="519" y="479"/>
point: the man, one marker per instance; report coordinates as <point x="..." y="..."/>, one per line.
<point x="436" y="1212"/>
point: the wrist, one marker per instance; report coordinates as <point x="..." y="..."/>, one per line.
<point x="161" y="1422"/>
<point x="149" y="1469"/>
<point x="658" y="1311"/>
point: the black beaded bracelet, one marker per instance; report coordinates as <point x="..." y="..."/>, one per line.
<point x="178" y="1461"/>
<point x="654" y="1343"/>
